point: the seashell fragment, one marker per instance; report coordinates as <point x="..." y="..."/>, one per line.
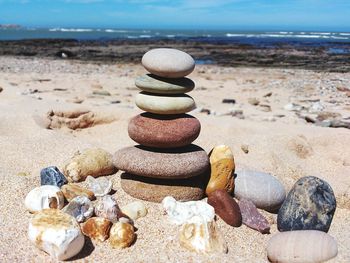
<point x="80" y="208"/>
<point x="45" y="196"/>
<point x="202" y="237"/>
<point x="301" y="246"/>
<point x="108" y="208"/>
<point x="56" y="233"/>
<point x="94" y="162"/>
<point x="121" y="235"/>
<point x="182" y="212"/>
<point x="99" y="186"/>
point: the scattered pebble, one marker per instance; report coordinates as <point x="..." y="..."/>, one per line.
<point x="268" y="94"/>
<point x="100" y="186"/>
<point x="107" y="207"/>
<point x="101" y="92"/>
<point x="252" y="218"/>
<point x="97" y="228"/>
<point x="80" y="208"/>
<point x="301" y="246"/>
<point x="52" y="176"/>
<point x="135" y="210"/>
<point x="229" y="101"/>
<point x="73" y="190"/>
<point x="93" y="162"/>
<point x="181" y="212"/>
<point x="245" y="148"/>
<point x="293" y="107"/>
<point x="264" y="190"/>
<point x="253" y="101"/>
<point x="46" y="196"/>
<point x="56" y="233"/>
<point x="310" y="205"/>
<point x="265" y="108"/>
<point x="222" y="166"/>
<point x="225" y="207"/>
<point x="122" y="235"/>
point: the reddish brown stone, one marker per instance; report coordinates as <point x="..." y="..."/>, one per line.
<point x="164" y="131"/>
<point x="225" y="207"/>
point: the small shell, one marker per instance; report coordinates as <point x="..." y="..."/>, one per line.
<point x="42" y="197"/>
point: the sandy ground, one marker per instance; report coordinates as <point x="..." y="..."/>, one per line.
<point x="279" y="142"/>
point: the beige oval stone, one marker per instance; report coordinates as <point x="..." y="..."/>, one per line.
<point x="122" y="235"/>
<point x="135" y="210"/>
<point x="222" y="166"/>
<point x="97" y="228"/>
<point x="56" y="233"/>
<point x="302" y="246"/>
<point x="165" y="104"/>
<point x="71" y="191"/>
<point x="93" y="162"/>
<point x="168" y="62"/>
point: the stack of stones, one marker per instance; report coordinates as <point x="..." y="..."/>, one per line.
<point x="165" y="163"/>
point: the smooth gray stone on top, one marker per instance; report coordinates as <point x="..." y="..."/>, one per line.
<point x="165" y="104"/>
<point x="155" y="84"/>
<point x="168" y="62"/>
<point x="264" y="190"/>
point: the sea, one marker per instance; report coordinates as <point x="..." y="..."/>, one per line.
<point x="337" y="42"/>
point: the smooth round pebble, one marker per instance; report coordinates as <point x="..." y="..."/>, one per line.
<point x="154" y="190"/>
<point x="158" y="85"/>
<point x="175" y="163"/>
<point x="80" y="208"/>
<point x="52" y="176"/>
<point x="42" y="197"/>
<point x="99" y="186"/>
<point x="135" y="210"/>
<point x="56" y="233"/>
<point x="164" y="104"/>
<point x="303" y="246"/>
<point x="168" y="62"/>
<point x="310" y="205"/>
<point x="164" y="131"/>
<point x="121" y="235"/>
<point x="264" y="190"/>
<point x="225" y="207"/>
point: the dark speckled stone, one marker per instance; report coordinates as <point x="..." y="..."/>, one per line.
<point x="52" y="176"/>
<point x="310" y="205"/>
<point x="174" y="163"/>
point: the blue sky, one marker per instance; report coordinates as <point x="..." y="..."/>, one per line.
<point x="180" y="14"/>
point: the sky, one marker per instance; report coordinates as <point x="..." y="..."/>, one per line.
<point x="180" y="14"/>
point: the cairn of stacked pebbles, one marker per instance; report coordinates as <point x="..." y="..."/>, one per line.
<point x="165" y="163"/>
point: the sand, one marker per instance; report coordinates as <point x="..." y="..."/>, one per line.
<point x="279" y="142"/>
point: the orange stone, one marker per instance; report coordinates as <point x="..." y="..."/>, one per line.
<point x="97" y="228"/>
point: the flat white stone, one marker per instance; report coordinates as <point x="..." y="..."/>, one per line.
<point x="56" y="233"/>
<point x="165" y="104"/>
<point x="264" y="190"/>
<point x="135" y="210"/>
<point x="45" y="196"/>
<point x="168" y="62"/>
<point x="196" y="212"/>
<point x="301" y="246"/>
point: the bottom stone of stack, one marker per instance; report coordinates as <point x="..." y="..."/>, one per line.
<point x="154" y="190"/>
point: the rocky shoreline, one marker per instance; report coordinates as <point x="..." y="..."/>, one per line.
<point x="302" y="55"/>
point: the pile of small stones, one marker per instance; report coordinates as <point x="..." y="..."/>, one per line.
<point x="166" y="168"/>
<point x="65" y="213"/>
